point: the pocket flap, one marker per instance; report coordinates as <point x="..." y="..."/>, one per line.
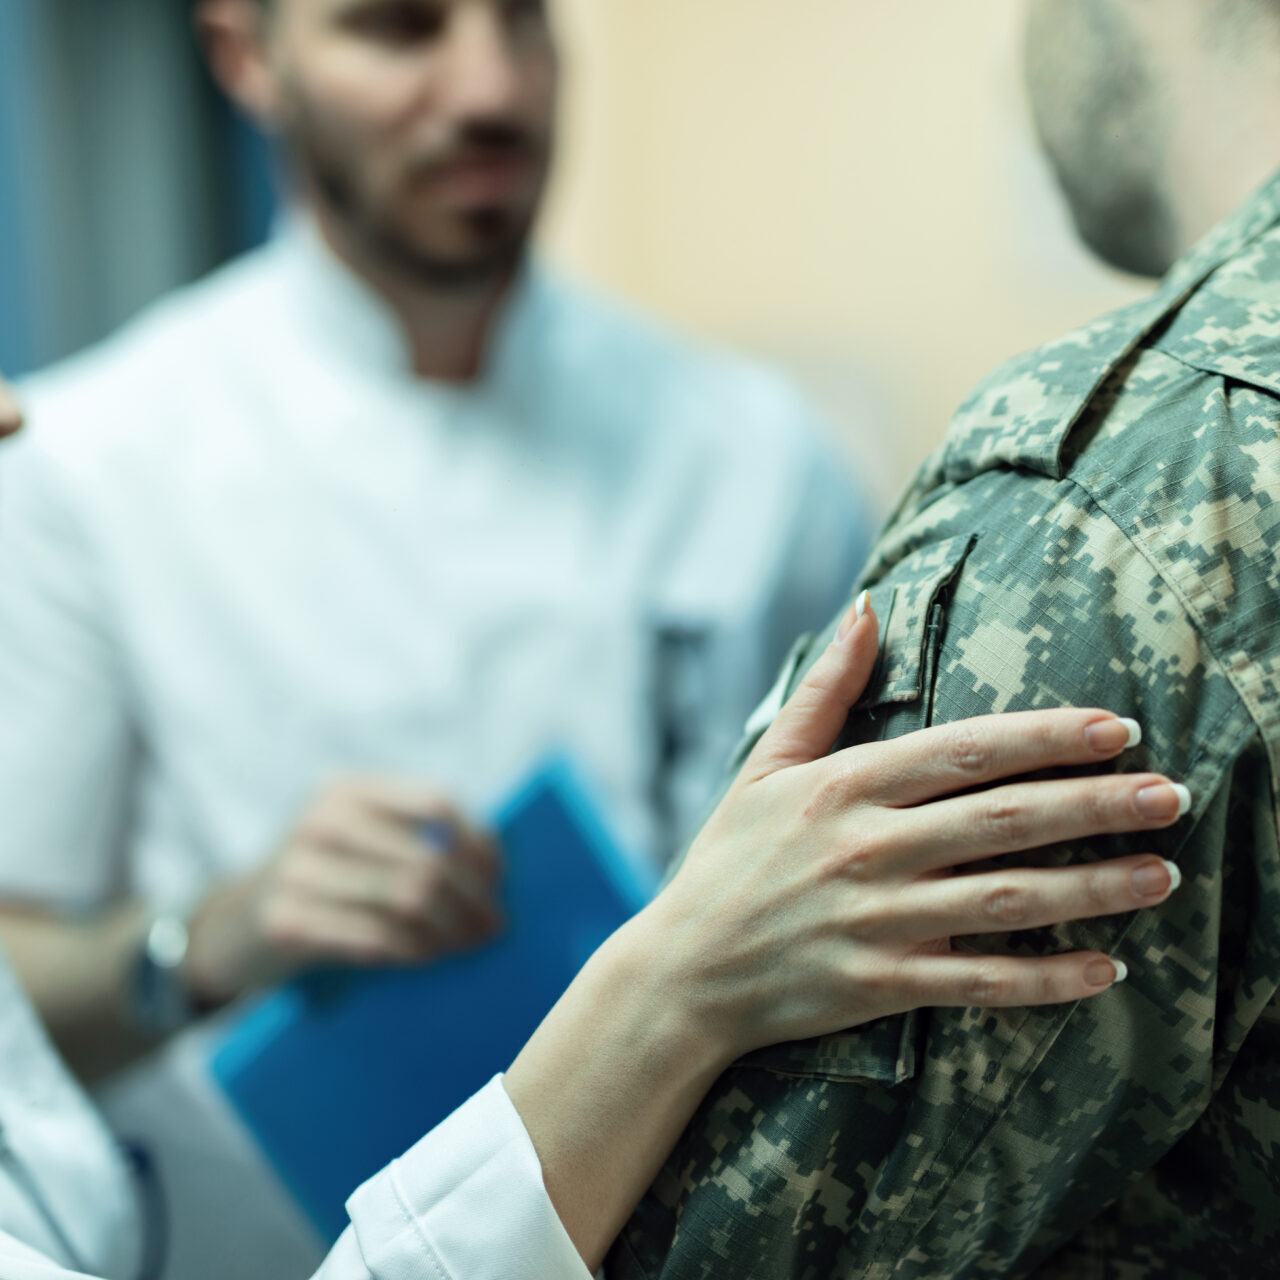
<point x="884" y="1051"/>
<point x="903" y="600"/>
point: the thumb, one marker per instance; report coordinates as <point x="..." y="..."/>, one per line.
<point x="808" y="725"/>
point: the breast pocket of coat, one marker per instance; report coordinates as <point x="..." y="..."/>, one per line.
<point x="910" y="601"/>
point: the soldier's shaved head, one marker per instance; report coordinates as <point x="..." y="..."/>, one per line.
<point x="1157" y="115"/>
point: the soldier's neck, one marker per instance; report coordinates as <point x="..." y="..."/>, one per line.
<point x="1224" y="144"/>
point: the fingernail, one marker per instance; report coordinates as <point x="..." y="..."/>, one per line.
<point x="1163" y="802"/>
<point x="1153" y="880"/>
<point x="846" y="623"/>
<point x="1106" y="973"/>
<point x="1113" y="735"/>
<point x="855" y="615"/>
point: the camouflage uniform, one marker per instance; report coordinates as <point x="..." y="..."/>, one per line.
<point x="1101" y="527"/>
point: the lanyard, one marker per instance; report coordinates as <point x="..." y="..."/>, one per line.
<point x="151" y="1199"/>
<point x="154" y="1207"/>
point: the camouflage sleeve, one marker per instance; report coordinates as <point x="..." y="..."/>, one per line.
<point x="965" y="1143"/>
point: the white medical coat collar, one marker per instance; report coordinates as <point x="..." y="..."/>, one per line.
<point x="349" y="316"/>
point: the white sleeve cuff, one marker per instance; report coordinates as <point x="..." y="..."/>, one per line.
<point x="467" y="1203"/>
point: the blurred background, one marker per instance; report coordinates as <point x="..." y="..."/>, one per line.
<point x="847" y="188"/>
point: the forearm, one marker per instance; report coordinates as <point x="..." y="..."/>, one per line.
<point x="77" y="975"/>
<point x="609" y="1081"/>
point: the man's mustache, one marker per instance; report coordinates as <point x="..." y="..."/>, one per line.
<point x="479" y="144"/>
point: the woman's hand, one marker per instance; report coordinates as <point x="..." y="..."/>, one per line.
<point x="10" y="414"/>
<point x="818" y="897"/>
<point x="819" y="894"/>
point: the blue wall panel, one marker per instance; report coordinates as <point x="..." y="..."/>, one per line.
<point x="17" y="37"/>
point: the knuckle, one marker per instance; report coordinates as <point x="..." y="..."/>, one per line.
<point x="1099" y="805"/>
<point x="969" y="751"/>
<point x="1048" y="984"/>
<point x="1101" y="893"/>
<point x="1007" y="824"/>
<point x="869" y="919"/>
<point x="282" y="924"/>
<point x="293" y="874"/>
<point x="415" y="893"/>
<point x="1006" y="907"/>
<point x="324" y="825"/>
<point x="829" y="796"/>
<point x="857" y="859"/>
<point x="988" y="987"/>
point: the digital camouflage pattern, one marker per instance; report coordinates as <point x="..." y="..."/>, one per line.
<point x="1101" y="527"/>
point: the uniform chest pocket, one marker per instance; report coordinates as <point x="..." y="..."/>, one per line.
<point x="911" y="601"/>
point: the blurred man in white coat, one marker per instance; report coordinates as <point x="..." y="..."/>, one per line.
<point x="326" y="552"/>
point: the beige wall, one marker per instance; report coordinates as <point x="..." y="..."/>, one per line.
<point x="847" y="187"/>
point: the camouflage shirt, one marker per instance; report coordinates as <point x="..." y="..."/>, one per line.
<point x="1101" y="527"/>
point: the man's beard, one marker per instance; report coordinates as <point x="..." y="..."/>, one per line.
<point x="500" y="235"/>
<point x="1127" y="225"/>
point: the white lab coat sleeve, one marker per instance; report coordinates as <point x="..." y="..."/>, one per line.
<point x="65" y="739"/>
<point x="467" y="1203"/>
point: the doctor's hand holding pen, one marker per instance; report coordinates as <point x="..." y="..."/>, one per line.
<point x="375" y="871"/>
<point x="819" y="896"/>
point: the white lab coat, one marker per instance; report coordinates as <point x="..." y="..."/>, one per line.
<point x="64" y="1189"/>
<point x="67" y="1209"/>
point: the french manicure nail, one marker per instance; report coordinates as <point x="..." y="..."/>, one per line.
<point x="1112" y="735"/>
<point x="846" y="623"/>
<point x="1156" y="881"/>
<point x="854" y="616"/>
<point x="1163" y="801"/>
<point x="1105" y="973"/>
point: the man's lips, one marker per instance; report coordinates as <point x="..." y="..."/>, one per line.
<point x="483" y="179"/>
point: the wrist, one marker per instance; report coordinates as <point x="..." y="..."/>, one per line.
<point x="656" y="960"/>
<point x="157" y="994"/>
<point x="217" y="968"/>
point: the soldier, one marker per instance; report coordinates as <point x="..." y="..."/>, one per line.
<point x="749" y="943"/>
<point x="1101" y="525"/>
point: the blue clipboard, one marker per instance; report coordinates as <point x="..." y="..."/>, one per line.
<point x="341" y="1071"/>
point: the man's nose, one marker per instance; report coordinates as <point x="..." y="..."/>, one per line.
<point x="480" y="75"/>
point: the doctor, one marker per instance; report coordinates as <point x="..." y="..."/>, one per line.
<point x="815" y="898"/>
<point x="349" y="536"/>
